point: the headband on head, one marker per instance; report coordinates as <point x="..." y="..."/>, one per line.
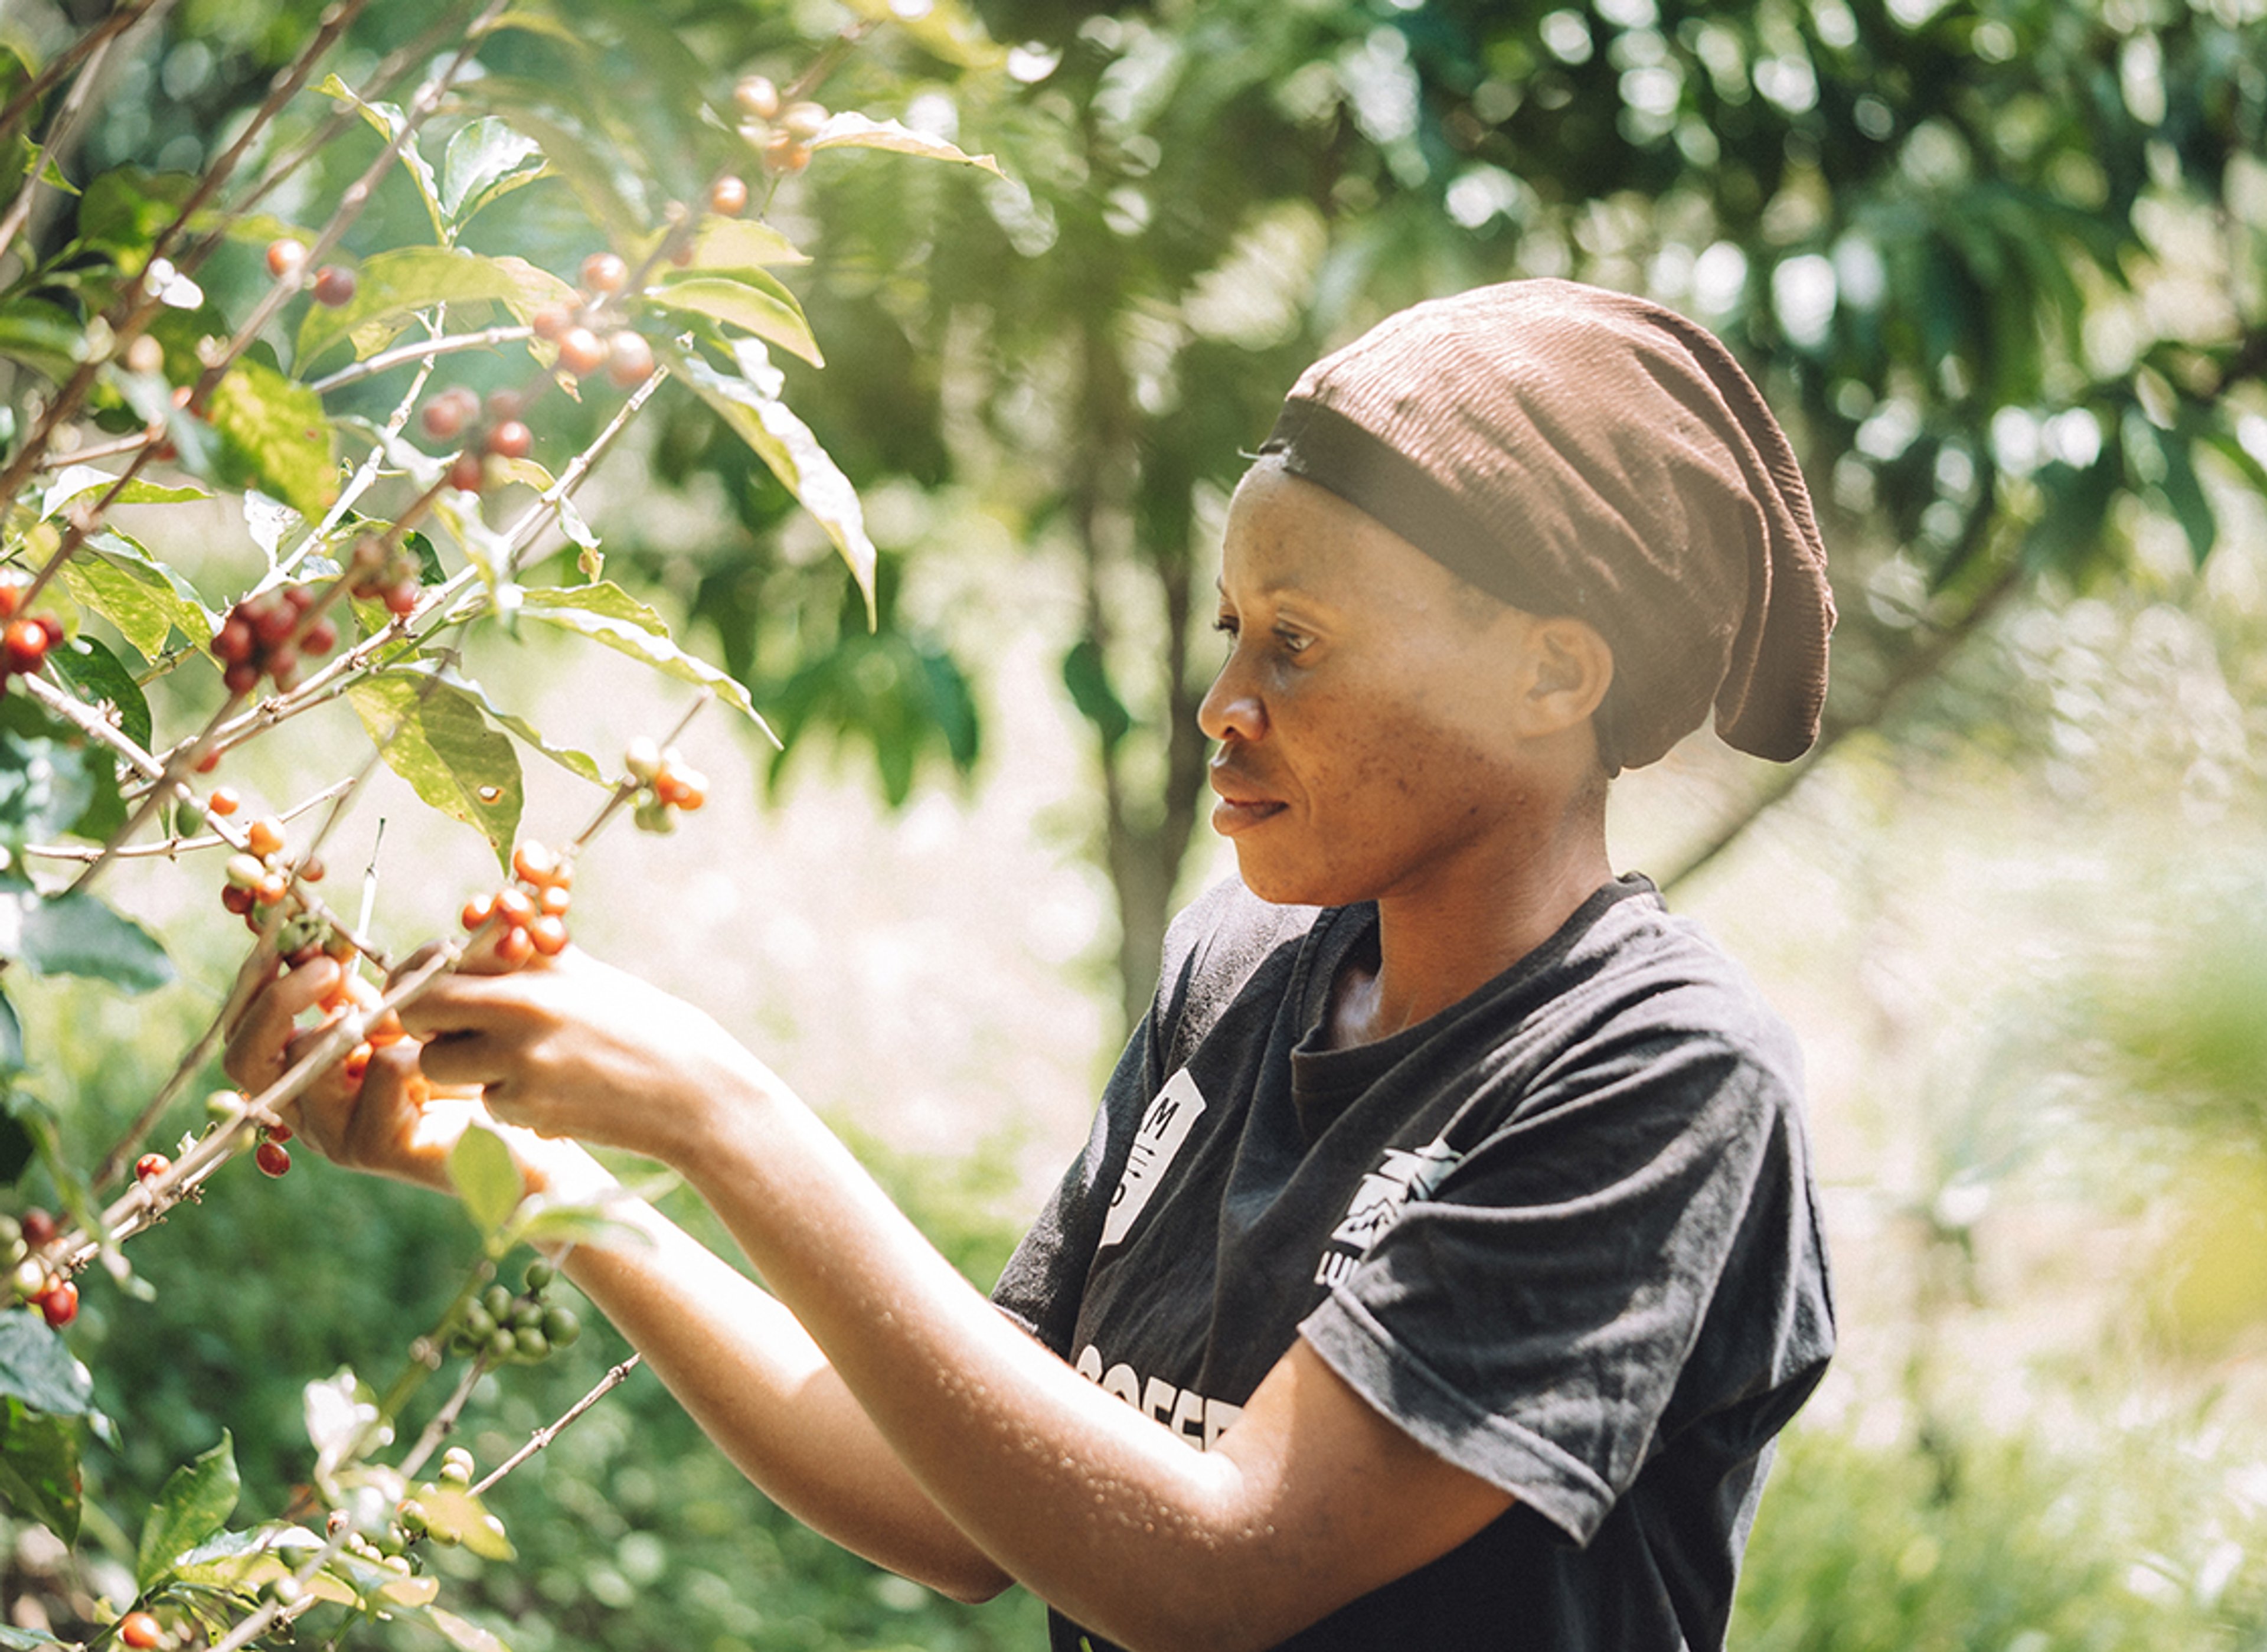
<point x="1574" y="451"/>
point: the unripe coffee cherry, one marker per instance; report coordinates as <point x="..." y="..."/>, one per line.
<point x="285" y="257"/>
<point x="226" y="800"/>
<point x="802" y="120"/>
<point x="145" y="355"/>
<point x="334" y="286"/>
<point x="265" y="836"/>
<point x="727" y="197"/>
<point x="605" y="273"/>
<point x="756" y="97"/>
<point x="784" y="154"/>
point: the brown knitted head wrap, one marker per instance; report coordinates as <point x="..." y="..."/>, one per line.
<point x="1578" y="451"/>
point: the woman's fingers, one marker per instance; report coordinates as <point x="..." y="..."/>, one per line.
<point x="258" y="1046"/>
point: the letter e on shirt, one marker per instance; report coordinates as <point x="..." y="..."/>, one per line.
<point x="1164" y="1127"/>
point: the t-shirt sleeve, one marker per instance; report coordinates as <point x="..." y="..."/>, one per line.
<point x="1535" y="1319"/>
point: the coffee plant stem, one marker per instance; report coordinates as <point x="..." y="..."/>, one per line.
<point x="384" y="361"/>
<point x="124" y="17"/>
<point x="544" y="1436"/>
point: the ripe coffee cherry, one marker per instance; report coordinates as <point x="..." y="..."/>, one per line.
<point x="551" y="322"/>
<point x="285" y="257"/>
<point x="39" y="1228"/>
<point x="468" y="475"/>
<point x="226" y="800"/>
<point x="234" y="641"/>
<point x="239" y="902"/>
<point x="534" y="863"/>
<point x="151" y="1165"/>
<point x="629" y="359"/>
<point x="447" y="414"/>
<point x="24" y="646"/>
<point x="784" y="154"/>
<point x="512" y="440"/>
<point x="59" y="1305"/>
<point x="547" y="935"/>
<point x="727" y="197"/>
<point x="582" y="352"/>
<point x="273" y="1158"/>
<point x="265" y="836"/>
<point x="477" y="911"/>
<point x="401" y="599"/>
<point x="140" y="1631"/>
<point x="515" y="947"/>
<point x="334" y="286"/>
<point x="605" y="273"/>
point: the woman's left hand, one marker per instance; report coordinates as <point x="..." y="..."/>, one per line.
<point x="570" y="1046"/>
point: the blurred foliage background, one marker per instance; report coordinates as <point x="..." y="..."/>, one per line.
<point x="1998" y="264"/>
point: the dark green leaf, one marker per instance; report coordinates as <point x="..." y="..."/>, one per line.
<point x="37" y="1368"/>
<point x="101" y="680"/>
<point x="74" y="934"/>
<point x="11" y="1055"/>
<point x="1088" y="680"/>
<point x="272" y="437"/>
<point x="38" y="1465"/>
<point x="46" y="778"/>
<point x="445" y="750"/>
<point x="2186" y="496"/>
<point x="195" y="1503"/>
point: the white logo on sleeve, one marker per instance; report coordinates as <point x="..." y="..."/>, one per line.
<point x="1378" y="1202"/>
<point x="1163" y="1129"/>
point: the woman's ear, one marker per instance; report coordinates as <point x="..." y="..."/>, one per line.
<point x="1565" y="668"/>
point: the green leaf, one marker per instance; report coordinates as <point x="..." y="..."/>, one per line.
<point x="390" y="288"/>
<point x="45" y="337"/>
<point x="481" y="1170"/>
<point x="1088" y="680"/>
<point x="36" y="1367"/>
<point x="851" y="130"/>
<point x="749" y="403"/>
<point x="390" y="123"/>
<point x="99" y="679"/>
<point x="74" y="934"/>
<point x="445" y="750"/>
<point x="452" y="1511"/>
<point x="608" y="614"/>
<point x="73" y="480"/>
<point x="750" y="300"/>
<point x="26" y="1640"/>
<point x="574" y="762"/>
<point x="39" y="1466"/>
<point x="195" y="1503"/>
<point x="2184" y="493"/>
<point x="272" y="437"/>
<point x="47" y="779"/>
<point x="11" y="1060"/>
<point x="467" y="1637"/>
<point x="484" y="159"/>
<point x="741" y="244"/>
<point x="146" y="601"/>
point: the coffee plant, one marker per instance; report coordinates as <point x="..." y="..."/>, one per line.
<point x="307" y="329"/>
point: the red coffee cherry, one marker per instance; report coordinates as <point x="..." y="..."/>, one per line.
<point x="59" y="1305"/>
<point x="469" y="474"/>
<point x="140" y="1631"/>
<point x="334" y="286"/>
<point x="24" y="646"/>
<point x="582" y="352"/>
<point x="38" y="1228"/>
<point x="550" y="321"/>
<point x="273" y="1158"/>
<point x="512" y="440"/>
<point x="151" y="1165"/>
<point x="629" y="359"/>
<point x="401" y="599"/>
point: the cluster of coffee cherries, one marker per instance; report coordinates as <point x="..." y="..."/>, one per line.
<point x="493" y="434"/>
<point x="411" y="1519"/>
<point x="24" y="638"/>
<point x="530" y="915"/>
<point x="34" y="1282"/>
<point x="377" y="571"/>
<point x="333" y="284"/>
<point x="265" y="635"/>
<point x="259" y="880"/>
<point x="515" y="1330"/>
<point x="782" y="132"/>
<point x="666" y="783"/>
<point x="623" y="353"/>
<point x="226" y="1109"/>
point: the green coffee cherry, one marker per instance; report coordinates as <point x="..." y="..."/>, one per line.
<point x="540" y="1274"/>
<point x="561" y="1328"/>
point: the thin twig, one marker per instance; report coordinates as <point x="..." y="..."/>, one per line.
<point x="544" y="1436"/>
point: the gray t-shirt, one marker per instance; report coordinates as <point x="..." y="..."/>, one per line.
<point x="1563" y="1233"/>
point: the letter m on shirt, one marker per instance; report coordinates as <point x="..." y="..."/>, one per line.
<point x="1164" y="1127"/>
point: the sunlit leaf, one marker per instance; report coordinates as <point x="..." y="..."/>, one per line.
<point x="194" y="1504"/>
<point x="435" y="738"/>
<point x="752" y="301"/>
<point x="849" y="130"/>
<point x="73" y="480"/>
<point x="272" y="437"/>
<point x="480" y="1168"/>
<point x="468" y="1637"/>
<point x="485" y="158"/>
<point x="101" y="680"/>
<point x="454" y="1513"/>
<point x="146" y="600"/>
<point x="390" y="123"/>
<point x="610" y="616"/>
<point x="44" y="336"/>
<point x="741" y="244"/>
<point x="390" y="288"/>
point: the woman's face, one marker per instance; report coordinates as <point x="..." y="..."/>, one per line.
<point x="1365" y="712"/>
